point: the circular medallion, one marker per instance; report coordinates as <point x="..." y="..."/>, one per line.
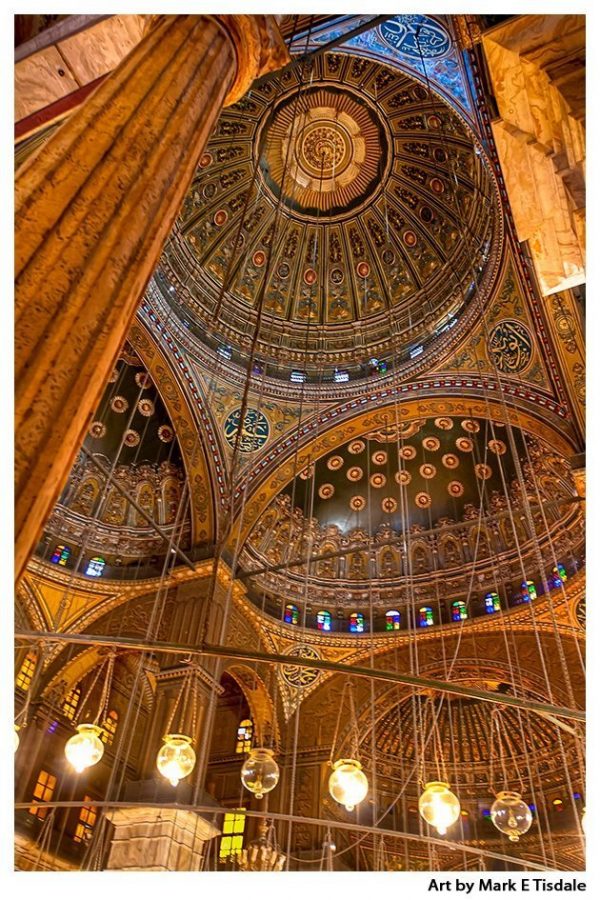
<point x="427" y="470"/>
<point x="357" y="503"/>
<point x="308" y="472"/>
<point x="114" y="375"/>
<point x="97" y="430"/>
<point x="205" y="160"/>
<point x="146" y="407"/>
<point x="378" y="480"/>
<point x="464" y="444"/>
<point x="255" y="429"/>
<point x="388" y="257"/>
<point x="334" y="463"/>
<point x="310" y="276"/>
<point x="389" y="504"/>
<point x="423" y="500"/>
<point x="417" y="36"/>
<point x="210" y="191"/>
<point x="451" y="460"/>
<point x="143" y="380"/>
<point x="259" y="258"/>
<point x="379" y="457"/>
<point x="498" y="447"/>
<point x="437" y="185"/>
<point x="483" y="471"/>
<point x="221" y="217"/>
<point x="337" y="276"/>
<point x="408" y="452"/>
<point x="326" y="491"/>
<point x="166" y="434"/>
<point x="300" y="676"/>
<point x="283" y="271"/>
<point x="470" y="425"/>
<point x="431" y="443"/>
<point x="409" y="238"/>
<point x="119" y="404"/>
<point x="403" y="477"/>
<point x="455" y="489"/>
<point x="510" y="346"/>
<point x="363" y="269"/>
<point x="444" y="423"/>
<point x="131" y="438"/>
<point x="356" y="446"/>
<point x="354" y="473"/>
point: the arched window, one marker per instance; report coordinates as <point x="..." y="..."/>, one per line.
<point x="87" y="820"/>
<point x="71" y="702"/>
<point x="109" y="727"/>
<point x="290" y="614"/>
<point x="528" y="591"/>
<point x="244" y="736"/>
<point x="95" y="567"/>
<point x="60" y="555"/>
<point x="26" y="671"/>
<point x="559" y="575"/>
<point x="357" y="623"/>
<point x="492" y="602"/>
<point x="425" y="616"/>
<point x="392" y="620"/>
<point x="324" y="620"/>
<point x="232" y="840"/>
<point x="459" y="611"/>
<point x="44" y="791"/>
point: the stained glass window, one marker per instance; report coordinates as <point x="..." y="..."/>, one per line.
<point x="244" y="736"/>
<point x="27" y="670"/>
<point x="232" y="841"/>
<point x="71" y="702"/>
<point x="425" y="616"/>
<point x="290" y="614"/>
<point x="459" y="611"/>
<point x="559" y="575"/>
<point x="60" y="555"/>
<point x="95" y="566"/>
<point x="492" y="602"/>
<point x="44" y="791"/>
<point x="87" y="820"/>
<point x="357" y="623"/>
<point x="392" y="620"/>
<point x="324" y="620"/>
<point x="109" y="727"/>
<point x="528" y="591"/>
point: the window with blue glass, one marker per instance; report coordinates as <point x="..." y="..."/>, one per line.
<point x="559" y="575"/>
<point x="528" y="591"/>
<point x="290" y="614"/>
<point x="60" y="555"/>
<point x="357" y="623"/>
<point x="459" y="611"/>
<point x="95" y="566"/>
<point x="425" y="616"/>
<point x="492" y="602"/>
<point x="392" y="620"/>
<point x="324" y="620"/>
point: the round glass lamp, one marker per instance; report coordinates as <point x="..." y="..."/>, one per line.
<point x="511" y="815"/>
<point x="176" y="758"/>
<point x="16" y="738"/>
<point x="85" y="748"/>
<point x="348" y="783"/>
<point x="260" y="772"/>
<point x="439" y="806"/>
<point x="583" y="821"/>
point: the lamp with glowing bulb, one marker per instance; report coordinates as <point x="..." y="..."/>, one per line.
<point x="348" y="783"/>
<point x="260" y="772"/>
<point x="176" y="758"/>
<point x="16" y="738"/>
<point x="439" y="806"/>
<point x="511" y="815"/>
<point x="85" y="748"/>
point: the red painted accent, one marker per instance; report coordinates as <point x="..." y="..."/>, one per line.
<point x="56" y="109"/>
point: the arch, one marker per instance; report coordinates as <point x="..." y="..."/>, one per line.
<point x="114" y="511"/>
<point x="60" y="555"/>
<point x="426" y="617"/>
<point x="291" y="614"/>
<point x="262" y="708"/>
<point x="170" y="496"/>
<point x="95" y="567"/>
<point x="356" y="623"/>
<point x="492" y="602"/>
<point x="459" y="611"/>
<point x="324" y="620"/>
<point x="145" y="498"/>
<point x="528" y="590"/>
<point x="392" y="620"/>
<point x="243" y="741"/>
<point x="86" y="496"/>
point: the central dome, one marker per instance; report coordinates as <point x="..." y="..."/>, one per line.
<point x="355" y="198"/>
<point x="326" y="152"/>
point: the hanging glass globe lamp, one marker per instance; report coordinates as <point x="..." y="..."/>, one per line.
<point x="85" y="748"/>
<point x="439" y="806"/>
<point x="176" y="758"/>
<point x="511" y="815"/>
<point x="348" y="783"/>
<point x="16" y="738"/>
<point x="260" y="772"/>
<point x="583" y="821"/>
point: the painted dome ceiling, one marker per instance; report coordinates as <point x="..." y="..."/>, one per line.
<point x="358" y="196"/>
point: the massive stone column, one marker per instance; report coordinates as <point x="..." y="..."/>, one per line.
<point x="163" y="840"/>
<point x="93" y="208"/>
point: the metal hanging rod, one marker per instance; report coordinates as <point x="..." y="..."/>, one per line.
<point x="308" y="57"/>
<point x="213" y="650"/>
<point x="286" y="817"/>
